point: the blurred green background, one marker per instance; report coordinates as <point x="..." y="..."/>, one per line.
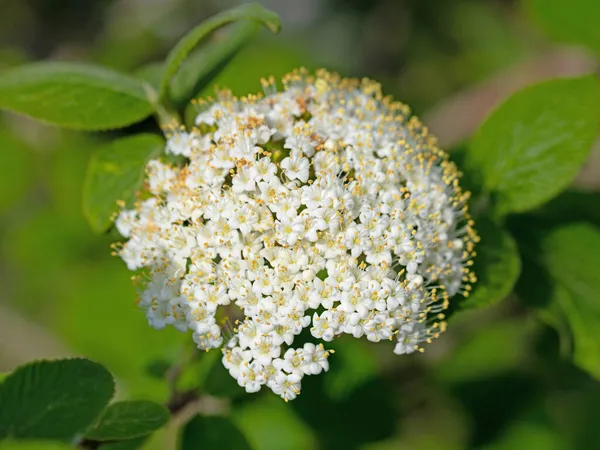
<point x="494" y="381"/>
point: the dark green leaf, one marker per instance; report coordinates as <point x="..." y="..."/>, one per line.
<point x="253" y="12"/>
<point x="497" y="266"/>
<point x="575" y="21"/>
<point x="53" y="399"/>
<point x="202" y="66"/>
<point x="74" y="95"/>
<point x="128" y="420"/>
<point x="572" y="257"/>
<point x="212" y="433"/>
<point x="158" y="369"/>
<point x="33" y="445"/>
<point x="534" y="144"/>
<point x="116" y="172"/>
<point x="570" y="206"/>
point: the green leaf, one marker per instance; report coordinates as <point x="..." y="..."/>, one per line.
<point x="128" y="420"/>
<point x="53" y="399"/>
<point x="159" y="368"/>
<point x="74" y="95"/>
<point x="271" y="424"/>
<point x="33" y="445"/>
<point x="212" y="433"/>
<point x="534" y="144"/>
<point x="572" y="257"/>
<point x="497" y="266"/>
<point x="130" y="444"/>
<point x="253" y="12"/>
<point x="575" y="21"/>
<point x="3" y="376"/>
<point x="202" y="66"/>
<point x="116" y="172"/>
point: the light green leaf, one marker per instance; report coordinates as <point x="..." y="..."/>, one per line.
<point x="33" y="445"/>
<point x="3" y="376"/>
<point x="74" y="95"/>
<point x="252" y="11"/>
<point x="212" y="433"/>
<point x="53" y="399"/>
<point x="116" y="172"/>
<point x="497" y="266"/>
<point x="128" y="420"/>
<point x="572" y="257"/>
<point x="534" y="144"/>
<point x="129" y="444"/>
<point x="575" y="21"/>
<point x="271" y="424"/>
<point x="202" y="66"/>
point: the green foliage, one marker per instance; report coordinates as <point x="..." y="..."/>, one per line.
<point x="572" y="257"/>
<point x="128" y="420"/>
<point x="115" y="173"/>
<point x="202" y="66"/>
<point x="497" y="265"/>
<point x="212" y="433"/>
<point x="59" y="400"/>
<point x="74" y="95"/>
<point x="129" y="444"/>
<point x="575" y="21"/>
<point x="53" y="399"/>
<point x="271" y="424"/>
<point x="253" y="12"/>
<point x="110" y="299"/>
<point x="534" y="144"/>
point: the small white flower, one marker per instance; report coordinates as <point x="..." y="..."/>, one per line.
<point x="314" y="359"/>
<point x="251" y="376"/>
<point x="287" y="385"/>
<point x="296" y="167"/>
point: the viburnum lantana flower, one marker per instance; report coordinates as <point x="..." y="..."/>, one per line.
<point x="323" y="207"/>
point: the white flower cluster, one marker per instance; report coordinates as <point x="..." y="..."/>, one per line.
<point x="322" y="207"/>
